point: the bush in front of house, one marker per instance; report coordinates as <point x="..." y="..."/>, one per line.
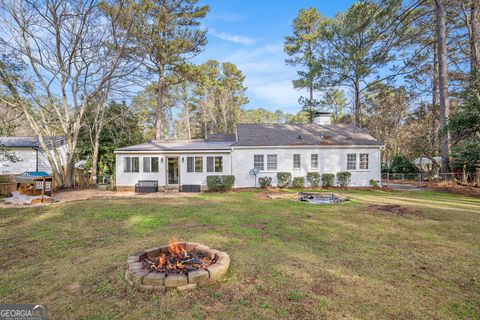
<point x="284" y="179"/>
<point x="327" y="180"/>
<point x="220" y="183"/>
<point x="265" y="182"/>
<point x="298" y="182"/>
<point x="373" y="183"/>
<point x="313" y="179"/>
<point x="343" y="178"/>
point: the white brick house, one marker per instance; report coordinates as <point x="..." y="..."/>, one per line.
<point x="271" y="148"/>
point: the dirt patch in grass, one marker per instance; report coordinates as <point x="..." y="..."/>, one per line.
<point x="395" y="210"/>
<point x="456" y="189"/>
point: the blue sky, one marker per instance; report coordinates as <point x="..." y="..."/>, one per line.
<point x="250" y="34"/>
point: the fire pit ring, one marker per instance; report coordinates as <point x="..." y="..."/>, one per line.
<point x="147" y="274"/>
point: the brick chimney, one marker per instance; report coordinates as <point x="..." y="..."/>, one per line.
<point x="322" y="118"/>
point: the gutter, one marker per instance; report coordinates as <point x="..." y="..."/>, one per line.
<point x="310" y="146"/>
<point x="173" y="151"/>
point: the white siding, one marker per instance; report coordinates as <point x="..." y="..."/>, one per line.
<point x="197" y="178"/>
<point x="240" y="162"/>
<point x="130" y="178"/>
<point x="201" y="177"/>
<point x="28" y="161"/>
<point x="330" y="160"/>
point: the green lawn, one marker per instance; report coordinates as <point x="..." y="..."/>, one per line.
<point x="289" y="260"/>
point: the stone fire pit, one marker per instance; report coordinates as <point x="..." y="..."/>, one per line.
<point x="179" y="265"/>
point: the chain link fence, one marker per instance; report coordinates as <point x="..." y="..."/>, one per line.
<point x="467" y="178"/>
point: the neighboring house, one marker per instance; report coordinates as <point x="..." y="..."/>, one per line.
<point x="271" y="148"/>
<point x="29" y="153"/>
<point x="427" y="165"/>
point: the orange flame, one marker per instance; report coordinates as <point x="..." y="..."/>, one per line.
<point x="176" y="249"/>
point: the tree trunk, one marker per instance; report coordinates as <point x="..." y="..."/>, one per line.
<point x="187" y="116"/>
<point x="474" y="38"/>
<point x="311" y="102"/>
<point x="96" y="146"/>
<point x="159" y="110"/>
<point x="440" y="14"/>
<point x="357" y="103"/>
<point x="435" y="101"/>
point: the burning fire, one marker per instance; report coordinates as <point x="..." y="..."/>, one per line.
<point x="177" y="260"/>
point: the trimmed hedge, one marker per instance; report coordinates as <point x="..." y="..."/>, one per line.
<point x="313" y="179"/>
<point x="220" y="183"/>
<point x="284" y="179"/>
<point x="265" y="182"/>
<point x="327" y="180"/>
<point x="343" y="178"/>
<point x="298" y="182"/>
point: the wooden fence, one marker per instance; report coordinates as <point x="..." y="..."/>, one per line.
<point x="7" y="185"/>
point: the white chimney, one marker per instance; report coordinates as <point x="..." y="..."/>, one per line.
<point x="322" y="118"/>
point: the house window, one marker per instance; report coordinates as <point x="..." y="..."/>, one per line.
<point x="150" y="164"/>
<point x="194" y="164"/>
<point x="48" y="185"/>
<point x="363" y="161"/>
<point x="214" y="164"/>
<point x="38" y="185"/>
<point x="296" y="161"/>
<point x="198" y="164"/>
<point x="351" y="161"/>
<point x="314" y="161"/>
<point x="258" y="162"/>
<point x="155" y="164"/>
<point x="132" y="164"/>
<point x="271" y="162"/>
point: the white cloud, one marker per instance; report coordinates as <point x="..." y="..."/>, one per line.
<point x="279" y="94"/>
<point x="231" y="37"/>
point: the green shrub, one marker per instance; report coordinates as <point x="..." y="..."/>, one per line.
<point x="327" y="180"/>
<point x="284" y="179"/>
<point x="220" y="183"/>
<point x="343" y="178"/>
<point x="373" y="183"/>
<point x="265" y="182"/>
<point x="313" y="179"/>
<point x="298" y="182"/>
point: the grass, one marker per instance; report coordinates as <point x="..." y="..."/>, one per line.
<point x="289" y="260"/>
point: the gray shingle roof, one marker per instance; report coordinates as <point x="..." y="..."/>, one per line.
<point x="302" y="134"/>
<point x="25" y="142"/>
<point x="180" y="145"/>
<point x="267" y="135"/>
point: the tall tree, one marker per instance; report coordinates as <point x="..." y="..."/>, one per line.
<point x="465" y="127"/>
<point x="220" y="95"/>
<point x="70" y="50"/>
<point x="334" y="100"/>
<point x="167" y="35"/>
<point x="302" y="47"/>
<point x="440" y="14"/>
<point x="121" y="128"/>
<point x="365" y="45"/>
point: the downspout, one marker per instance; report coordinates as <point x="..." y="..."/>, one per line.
<point x="36" y="159"/>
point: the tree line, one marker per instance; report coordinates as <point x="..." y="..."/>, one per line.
<point x="118" y="72"/>
<point x="410" y="69"/>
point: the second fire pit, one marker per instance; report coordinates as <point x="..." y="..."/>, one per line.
<point x="180" y="265"/>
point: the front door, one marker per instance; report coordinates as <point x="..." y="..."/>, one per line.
<point x="172" y="170"/>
